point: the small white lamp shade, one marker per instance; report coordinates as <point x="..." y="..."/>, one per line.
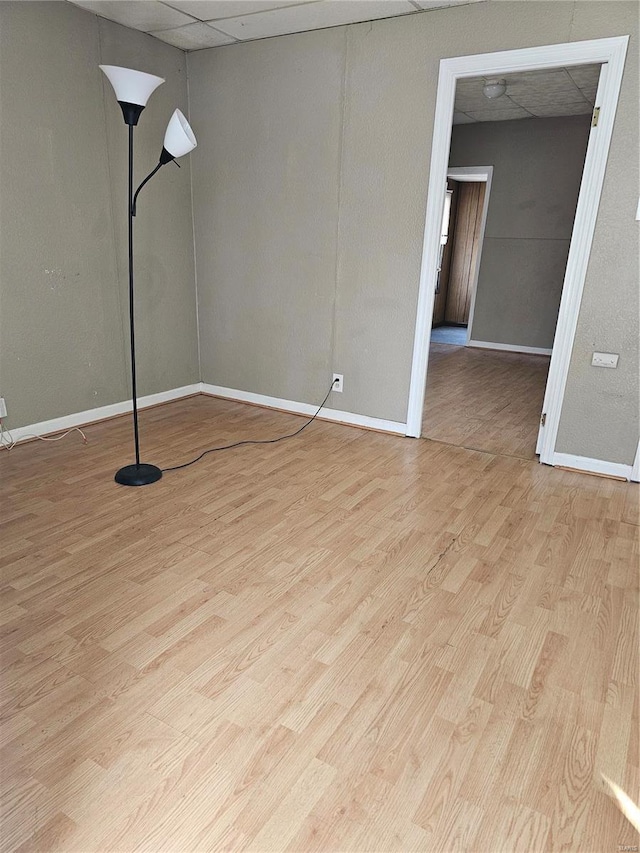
<point x="179" y="139"/>
<point x="131" y="87"/>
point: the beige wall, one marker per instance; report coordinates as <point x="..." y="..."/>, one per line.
<point x="270" y="197"/>
<point x="600" y="415"/>
<point x="63" y="246"/>
<point x="309" y="194"/>
<point x="265" y="195"/>
<point x="537" y="168"/>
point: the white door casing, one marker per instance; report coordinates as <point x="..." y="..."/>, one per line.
<point x="609" y="52"/>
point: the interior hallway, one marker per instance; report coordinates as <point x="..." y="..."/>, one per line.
<point x="484" y="399"/>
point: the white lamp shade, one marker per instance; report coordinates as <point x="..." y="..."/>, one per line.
<point x="179" y="139"/>
<point x="131" y="87"/>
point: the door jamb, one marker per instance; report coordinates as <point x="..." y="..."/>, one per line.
<point x="610" y="52"/>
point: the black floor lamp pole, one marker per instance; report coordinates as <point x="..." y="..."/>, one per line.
<point x="132" y="325"/>
<point x="139" y="474"/>
<point x="133" y="89"/>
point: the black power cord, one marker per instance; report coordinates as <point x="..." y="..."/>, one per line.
<point x="254" y="441"/>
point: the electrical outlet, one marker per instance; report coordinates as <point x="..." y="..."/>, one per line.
<point x="338" y="379"/>
<point x="604" y="359"/>
<point x="3" y="408"/>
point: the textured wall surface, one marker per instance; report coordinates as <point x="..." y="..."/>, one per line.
<point x="601" y="411"/>
<point x="310" y="185"/>
<point x="537" y="168"/>
<point x="374" y="85"/>
<point x="63" y="251"/>
<point x="265" y="194"/>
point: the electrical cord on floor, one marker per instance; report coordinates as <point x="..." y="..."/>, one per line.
<point x="8" y="442"/>
<point x="253" y="441"/>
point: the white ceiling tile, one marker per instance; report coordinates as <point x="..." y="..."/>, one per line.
<point x="540" y="81"/>
<point x="547" y="111"/>
<point x="552" y="99"/>
<point x="211" y="10"/>
<point x="500" y="115"/>
<point x="589" y="94"/>
<point x="462" y="118"/>
<point x="585" y="76"/>
<point x="194" y="36"/>
<point x="463" y="105"/>
<point x="466" y="103"/>
<point x="146" y="15"/>
<point x="469" y="86"/>
<point x="324" y="13"/>
<point x="439" y="4"/>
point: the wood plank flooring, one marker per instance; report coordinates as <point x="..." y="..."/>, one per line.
<point x="485" y="399"/>
<point x="346" y="641"/>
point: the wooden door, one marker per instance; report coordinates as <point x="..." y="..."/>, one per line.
<point x="465" y="254"/>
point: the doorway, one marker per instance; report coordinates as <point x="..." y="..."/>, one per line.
<point x="610" y="53"/>
<point x="460" y="255"/>
<point x="489" y="396"/>
<point x="462" y="235"/>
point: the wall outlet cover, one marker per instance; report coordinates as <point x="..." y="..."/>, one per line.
<point x="604" y="359"/>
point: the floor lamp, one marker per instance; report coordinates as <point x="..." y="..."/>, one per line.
<point x="133" y="89"/>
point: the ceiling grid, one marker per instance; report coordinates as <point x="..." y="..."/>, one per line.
<point x="200" y="24"/>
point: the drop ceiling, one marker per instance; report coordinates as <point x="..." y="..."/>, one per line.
<point x="198" y="24"/>
<point x="532" y="94"/>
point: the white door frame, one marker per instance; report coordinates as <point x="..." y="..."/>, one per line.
<point x="475" y="174"/>
<point x="635" y="468"/>
<point x="609" y="52"/>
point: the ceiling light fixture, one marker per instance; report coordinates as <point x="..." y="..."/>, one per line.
<point x="494" y="88"/>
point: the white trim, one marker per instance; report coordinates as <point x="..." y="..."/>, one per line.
<point x="611" y="53"/>
<point x="304" y="409"/>
<point x="430" y="246"/>
<point x="509" y="347"/>
<point x="635" y="468"/>
<point x="90" y="416"/>
<point x="471" y="174"/>
<point x="475" y="174"/>
<point x="582" y="463"/>
<point x="592" y="466"/>
<point x="102" y="413"/>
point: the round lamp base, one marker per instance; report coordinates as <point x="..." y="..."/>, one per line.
<point x="138" y="475"/>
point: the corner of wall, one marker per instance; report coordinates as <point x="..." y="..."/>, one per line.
<point x="193" y="231"/>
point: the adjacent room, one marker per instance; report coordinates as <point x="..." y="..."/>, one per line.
<point x="506" y="234"/>
<point x="288" y="560"/>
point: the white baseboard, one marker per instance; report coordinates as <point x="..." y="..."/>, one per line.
<point x="102" y="413"/>
<point x="89" y="416"/>
<point x="305" y="409"/>
<point x="593" y="466"/>
<point x="509" y="347"/>
<point x="565" y="460"/>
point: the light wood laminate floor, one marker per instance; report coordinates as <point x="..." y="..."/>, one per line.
<point x="347" y="641"/>
<point x="484" y="399"/>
